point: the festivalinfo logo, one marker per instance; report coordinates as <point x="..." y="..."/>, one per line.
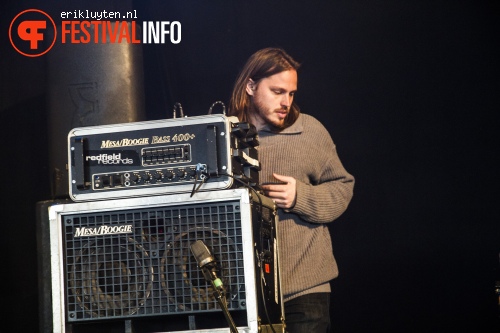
<point x="33" y="32"/>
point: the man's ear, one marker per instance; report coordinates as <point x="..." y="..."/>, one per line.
<point x="250" y="87"/>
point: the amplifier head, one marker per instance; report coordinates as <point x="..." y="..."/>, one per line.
<point x="179" y="155"/>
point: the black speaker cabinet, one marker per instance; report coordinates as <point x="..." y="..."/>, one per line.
<point x="43" y="262"/>
<point x="126" y="265"/>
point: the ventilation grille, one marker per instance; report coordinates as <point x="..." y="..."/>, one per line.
<point x="136" y="263"/>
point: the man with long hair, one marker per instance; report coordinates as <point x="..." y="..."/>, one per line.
<point x="302" y="173"/>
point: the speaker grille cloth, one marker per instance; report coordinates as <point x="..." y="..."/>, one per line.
<point x="148" y="268"/>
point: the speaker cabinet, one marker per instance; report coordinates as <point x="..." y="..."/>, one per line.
<point x="126" y="265"/>
<point x="43" y="263"/>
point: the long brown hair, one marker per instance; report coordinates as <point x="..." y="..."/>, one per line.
<point x="261" y="64"/>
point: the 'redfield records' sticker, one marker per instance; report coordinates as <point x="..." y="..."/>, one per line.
<point x="112" y="157"/>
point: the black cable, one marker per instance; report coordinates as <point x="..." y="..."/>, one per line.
<point x="261" y="221"/>
<point x="200" y="173"/>
<point x="196" y="189"/>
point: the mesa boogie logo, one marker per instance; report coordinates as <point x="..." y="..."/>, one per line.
<point x="124" y="142"/>
<point x="103" y="230"/>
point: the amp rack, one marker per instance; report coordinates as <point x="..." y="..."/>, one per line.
<point x="202" y="153"/>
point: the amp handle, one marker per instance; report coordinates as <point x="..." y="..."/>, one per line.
<point x="78" y="163"/>
<point x="212" y="151"/>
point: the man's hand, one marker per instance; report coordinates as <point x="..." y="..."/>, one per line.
<point x="283" y="195"/>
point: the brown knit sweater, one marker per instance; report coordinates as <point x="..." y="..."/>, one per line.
<point x="306" y="152"/>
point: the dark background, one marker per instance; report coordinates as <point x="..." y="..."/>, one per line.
<point x="409" y="92"/>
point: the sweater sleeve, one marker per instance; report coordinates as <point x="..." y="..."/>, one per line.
<point x="326" y="195"/>
<point x="324" y="202"/>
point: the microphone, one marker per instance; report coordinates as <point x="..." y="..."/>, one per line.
<point x="206" y="262"/>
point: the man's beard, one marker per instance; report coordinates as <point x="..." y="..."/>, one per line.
<point x="277" y="128"/>
<point x="256" y="110"/>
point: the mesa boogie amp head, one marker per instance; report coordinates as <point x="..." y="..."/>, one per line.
<point x="158" y="157"/>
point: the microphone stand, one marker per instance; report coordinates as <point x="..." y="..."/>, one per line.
<point x="219" y="294"/>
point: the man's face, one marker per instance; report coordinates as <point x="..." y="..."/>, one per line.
<point x="271" y="98"/>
